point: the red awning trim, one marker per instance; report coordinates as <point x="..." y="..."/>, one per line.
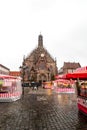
<point x="81" y="70"/>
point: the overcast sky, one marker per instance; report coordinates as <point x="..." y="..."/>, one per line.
<point x="63" y="24"/>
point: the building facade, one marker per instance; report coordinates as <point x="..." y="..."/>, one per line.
<point x="39" y="64"/>
<point x="68" y="67"/>
<point x="4" y="70"/>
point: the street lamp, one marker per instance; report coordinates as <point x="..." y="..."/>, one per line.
<point x="23" y="67"/>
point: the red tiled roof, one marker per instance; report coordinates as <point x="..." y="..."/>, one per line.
<point x="14" y="73"/>
<point x="71" y="65"/>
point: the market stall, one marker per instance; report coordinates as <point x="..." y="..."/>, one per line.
<point x="48" y="85"/>
<point x="64" y="86"/>
<point x="10" y="88"/>
<point x="80" y="75"/>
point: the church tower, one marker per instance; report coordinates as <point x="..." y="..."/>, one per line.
<point x="40" y="41"/>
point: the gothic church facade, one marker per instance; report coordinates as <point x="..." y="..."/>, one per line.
<point x="40" y="64"/>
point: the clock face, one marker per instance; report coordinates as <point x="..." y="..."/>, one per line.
<point x="42" y="55"/>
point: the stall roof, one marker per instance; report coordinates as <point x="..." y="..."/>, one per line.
<point x="80" y="73"/>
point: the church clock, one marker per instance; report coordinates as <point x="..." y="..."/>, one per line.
<point x="42" y="55"/>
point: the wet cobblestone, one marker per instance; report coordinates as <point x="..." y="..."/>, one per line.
<point x="42" y="110"/>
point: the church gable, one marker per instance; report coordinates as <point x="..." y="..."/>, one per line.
<point x="40" y="52"/>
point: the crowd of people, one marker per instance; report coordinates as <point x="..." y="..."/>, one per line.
<point x="33" y="85"/>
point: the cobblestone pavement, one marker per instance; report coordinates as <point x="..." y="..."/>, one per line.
<point x="42" y="110"/>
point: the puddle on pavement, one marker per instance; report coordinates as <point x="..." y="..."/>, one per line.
<point x="41" y="98"/>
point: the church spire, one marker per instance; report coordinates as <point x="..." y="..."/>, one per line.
<point x="40" y="41"/>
